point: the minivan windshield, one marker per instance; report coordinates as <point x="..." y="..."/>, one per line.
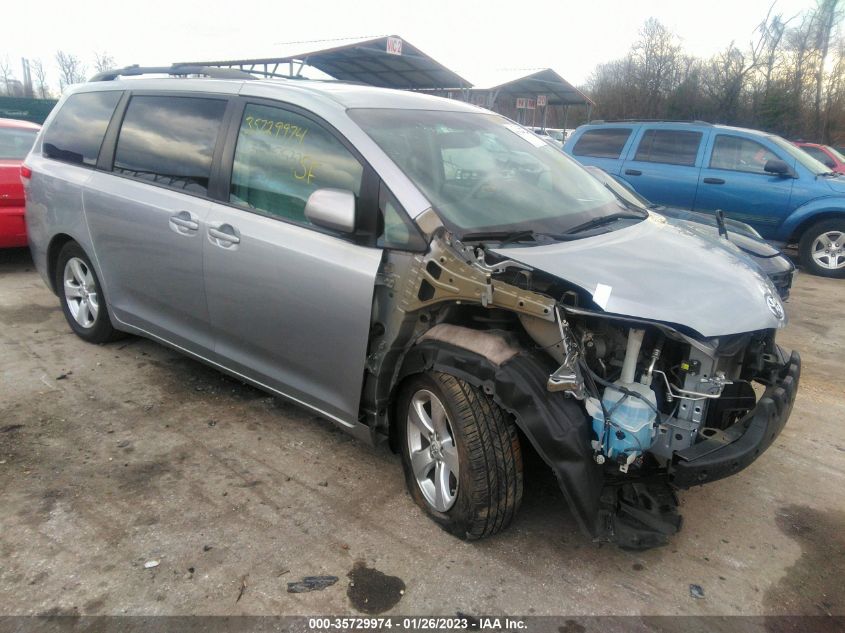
<point x="483" y="173"/>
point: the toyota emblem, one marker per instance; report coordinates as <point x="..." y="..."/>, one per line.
<point x="775" y="306"/>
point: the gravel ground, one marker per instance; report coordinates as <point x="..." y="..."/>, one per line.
<point x="115" y="456"/>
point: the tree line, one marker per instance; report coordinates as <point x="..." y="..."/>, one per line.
<point x="69" y="68"/>
<point x="789" y="79"/>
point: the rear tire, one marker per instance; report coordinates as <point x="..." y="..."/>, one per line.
<point x="822" y="248"/>
<point x="476" y="435"/>
<point x="81" y="296"/>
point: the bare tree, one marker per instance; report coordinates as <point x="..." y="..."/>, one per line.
<point x="728" y="78"/>
<point x="834" y="112"/>
<point x="103" y="62"/>
<point x="826" y="17"/>
<point x="789" y="79"/>
<point x="6" y="75"/>
<point x="640" y="83"/>
<point x="71" y="69"/>
<point x="771" y="30"/>
<point x="39" y="76"/>
<point x="656" y="56"/>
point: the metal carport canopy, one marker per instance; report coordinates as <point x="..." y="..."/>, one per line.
<point x="543" y="81"/>
<point x="387" y="62"/>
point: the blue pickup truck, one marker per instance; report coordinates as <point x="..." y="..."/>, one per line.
<point x="755" y="177"/>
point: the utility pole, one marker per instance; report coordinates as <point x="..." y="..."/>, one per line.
<point x="27" y="78"/>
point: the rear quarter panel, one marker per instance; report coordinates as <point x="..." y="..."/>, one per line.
<point x="54" y="207"/>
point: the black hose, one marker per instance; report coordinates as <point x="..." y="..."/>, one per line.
<point x="591" y="385"/>
<point x="627" y="392"/>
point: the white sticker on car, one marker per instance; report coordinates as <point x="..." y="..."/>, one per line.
<point x="532" y="138"/>
<point x="602" y="295"/>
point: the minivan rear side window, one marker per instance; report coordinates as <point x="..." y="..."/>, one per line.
<point x="170" y="140"/>
<point x="674" y="147"/>
<point x="283" y="157"/>
<point x="603" y="143"/>
<point x="76" y="133"/>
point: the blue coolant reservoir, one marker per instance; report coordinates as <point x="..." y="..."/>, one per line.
<point x="631" y="430"/>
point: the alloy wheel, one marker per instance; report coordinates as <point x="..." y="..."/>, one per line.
<point x="81" y="292"/>
<point x="434" y="456"/>
<point x="828" y="250"/>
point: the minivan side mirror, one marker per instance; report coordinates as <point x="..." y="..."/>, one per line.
<point x="332" y="209"/>
<point x="778" y="167"/>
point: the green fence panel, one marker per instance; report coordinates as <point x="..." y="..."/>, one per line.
<point x="35" y="110"/>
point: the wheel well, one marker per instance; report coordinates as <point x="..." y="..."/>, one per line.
<point x="393" y="411"/>
<point x="494" y="346"/>
<point x="53" y="251"/>
<point x="826" y="215"/>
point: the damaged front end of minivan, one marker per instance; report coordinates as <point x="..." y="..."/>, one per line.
<point x="636" y="363"/>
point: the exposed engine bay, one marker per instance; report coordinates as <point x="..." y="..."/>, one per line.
<point x="642" y="396"/>
<point x="649" y="391"/>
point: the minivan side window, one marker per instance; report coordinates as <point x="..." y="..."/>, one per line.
<point x="740" y="154"/>
<point x="170" y="140"/>
<point x="76" y="133"/>
<point x="603" y="143"/>
<point x="673" y="147"/>
<point x="282" y="157"/>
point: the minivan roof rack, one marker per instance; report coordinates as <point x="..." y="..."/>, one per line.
<point x="176" y="69"/>
<point x="691" y="121"/>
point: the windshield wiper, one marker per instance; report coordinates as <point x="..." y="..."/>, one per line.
<point x="607" y="219"/>
<point x="503" y="237"/>
<point x="508" y="237"/>
<point x="720" y="224"/>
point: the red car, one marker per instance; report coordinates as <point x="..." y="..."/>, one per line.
<point x="825" y="154"/>
<point x="16" y="139"/>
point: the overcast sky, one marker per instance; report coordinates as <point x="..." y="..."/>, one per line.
<point x="470" y="37"/>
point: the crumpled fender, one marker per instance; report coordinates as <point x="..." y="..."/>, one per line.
<point x="557" y="427"/>
<point x="828" y="204"/>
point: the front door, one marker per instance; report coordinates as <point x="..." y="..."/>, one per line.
<point x="290" y="303"/>
<point x="733" y="180"/>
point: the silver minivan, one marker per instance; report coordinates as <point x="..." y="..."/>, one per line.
<point x="419" y="271"/>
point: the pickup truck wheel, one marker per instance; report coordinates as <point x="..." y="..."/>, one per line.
<point x="461" y="455"/>
<point x="83" y="302"/>
<point x="822" y="248"/>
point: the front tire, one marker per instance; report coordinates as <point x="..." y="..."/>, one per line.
<point x="81" y="295"/>
<point x="822" y="248"/>
<point x="461" y="455"/>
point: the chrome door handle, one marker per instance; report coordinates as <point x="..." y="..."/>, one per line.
<point x="184" y="220"/>
<point x="224" y="233"/>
